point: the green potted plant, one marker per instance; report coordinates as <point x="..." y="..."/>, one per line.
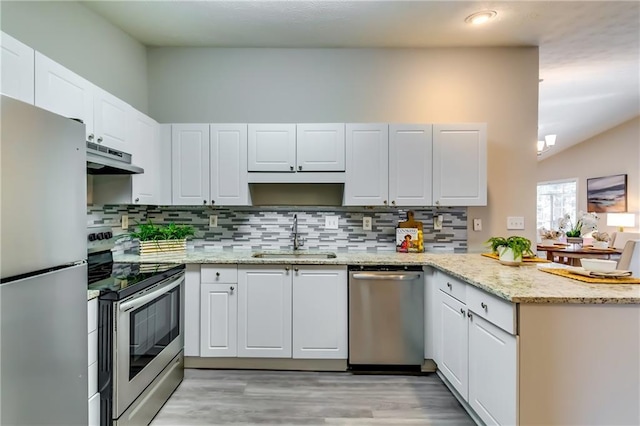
<point x="155" y="239"/>
<point x="510" y="249"/>
<point x="586" y="222"/>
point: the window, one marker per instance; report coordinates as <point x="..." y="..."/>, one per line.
<point x="555" y="199"/>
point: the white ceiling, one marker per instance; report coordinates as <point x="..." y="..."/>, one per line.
<point x="589" y="51"/>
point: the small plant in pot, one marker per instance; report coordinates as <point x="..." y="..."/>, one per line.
<point x="549" y="236"/>
<point x="512" y="249"/>
<point x="162" y="238"/>
<point x="600" y="240"/>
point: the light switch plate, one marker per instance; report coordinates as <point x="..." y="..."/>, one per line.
<point x="515" y="222"/>
<point x="213" y="221"/>
<point x="366" y="223"/>
<point x="477" y="225"/>
<point x="331" y="222"/>
<point x="124" y="222"/>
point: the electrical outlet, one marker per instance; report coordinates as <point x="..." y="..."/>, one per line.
<point x="213" y="221"/>
<point x="124" y="223"/>
<point x="331" y="222"/>
<point x="437" y="222"/>
<point x="366" y="223"/>
<point x="477" y="225"/>
<point x="515" y="222"/>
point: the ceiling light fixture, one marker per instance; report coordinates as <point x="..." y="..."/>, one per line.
<point x="480" y="17"/>
<point x="546" y="144"/>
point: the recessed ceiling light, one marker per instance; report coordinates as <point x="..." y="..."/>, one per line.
<point x="480" y="17"/>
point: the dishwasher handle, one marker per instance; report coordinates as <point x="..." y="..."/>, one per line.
<point x="386" y="277"/>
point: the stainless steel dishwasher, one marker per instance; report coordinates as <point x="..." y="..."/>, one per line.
<point x="386" y="315"/>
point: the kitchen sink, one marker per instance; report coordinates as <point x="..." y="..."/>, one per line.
<point x="294" y="255"/>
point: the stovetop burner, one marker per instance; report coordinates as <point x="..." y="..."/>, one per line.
<point x="116" y="281"/>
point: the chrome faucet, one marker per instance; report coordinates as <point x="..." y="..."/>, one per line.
<point x="297" y="241"/>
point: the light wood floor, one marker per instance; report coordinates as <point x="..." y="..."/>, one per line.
<point x="234" y="397"/>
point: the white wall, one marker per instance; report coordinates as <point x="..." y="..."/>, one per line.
<point x="614" y="152"/>
<point x="494" y="85"/>
<point x="84" y="42"/>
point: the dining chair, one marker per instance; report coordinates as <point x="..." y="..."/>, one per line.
<point x="630" y="258"/>
<point x="620" y="239"/>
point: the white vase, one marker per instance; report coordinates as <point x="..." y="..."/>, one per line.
<point x="601" y="244"/>
<point x="548" y="242"/>
<point x="506" y="255"/>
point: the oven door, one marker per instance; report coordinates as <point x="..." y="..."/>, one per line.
<point x="149" y="334"/>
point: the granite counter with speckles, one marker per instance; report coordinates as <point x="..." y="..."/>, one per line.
<point x="524" y="284"/>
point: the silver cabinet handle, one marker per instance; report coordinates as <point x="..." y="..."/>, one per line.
<point x="469" y="315"/>
<point x="217" y="274"/>
<point x="437" y="203"/>
<point x="450" y="286"/>
<point x="90" y="137"/>
<point x="393" y="203"/>
<point x="231" y="290"/>
<point x="291" y="168"/>
<point x="100" y="139"/>
<point x="385" y="202"/>
<point x="213" y="202"/>
<point x="299" y="167"/>
<point x="286" y="268"/>
<point x="462" y="311"/>
<point x="204" y="201"/>
<point x="295" y="269"/>
<point x="137" y="199"/>
<point x="484" y="305"/>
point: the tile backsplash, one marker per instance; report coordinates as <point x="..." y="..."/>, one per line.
<point x="270" y="227"/>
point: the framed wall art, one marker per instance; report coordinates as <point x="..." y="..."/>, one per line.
<point x="607" y="194"/>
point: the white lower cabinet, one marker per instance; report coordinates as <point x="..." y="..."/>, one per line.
<point x="477" y="352"/>
<point x="264" y="312"/>
<point x="92" y="357"/>
<point x="454" y="342"/>
<point x="492" y="372"/>
<point x="320" y="312"/>
<point x="219" y="323"/>
<point x="192" y="316"/>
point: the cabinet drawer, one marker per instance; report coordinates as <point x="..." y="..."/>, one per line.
<point x="495" y="310"/>
<point x="452" y="286"/>
<point x="211" y="274"/>
<point x="93" y="379"/>
<point x="92" y="315"/>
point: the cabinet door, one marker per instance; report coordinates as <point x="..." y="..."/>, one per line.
<point x="17" y="69"/>
<point x="264" y="312"/>
<point x="492" y="372"/>
<point x="410" y="158"/>
<point x="190" y="164"/>
<point x="272" y="147"/>
<point x="228" y="165"/>
<point x="192" y="310"/>
<point x="219" y="320"/>
<point x="320" y="147"/>
<point x="454" y="343"/>
<point x="145" y="149"/>
<point x="367" y="165"/>
<point x="94" y="410"/>
<point x="61" y="91"/>
<point x="110" y="119"/>
<point x="460" y="164"/>
<point x="320" y="312"/>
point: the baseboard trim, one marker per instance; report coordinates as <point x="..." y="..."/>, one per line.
<point x="461" y="400"/>
<point x="429" y="366"/>
<point x="267" y="363"/>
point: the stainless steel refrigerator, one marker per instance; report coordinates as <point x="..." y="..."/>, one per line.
<point x="43" y="287"/>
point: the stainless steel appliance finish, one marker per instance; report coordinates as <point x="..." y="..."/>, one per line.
<point x="386" y="317"/>
<point x="43" y="299"/>
<point x="102" y="160"/>
<point x="149" y="335"/>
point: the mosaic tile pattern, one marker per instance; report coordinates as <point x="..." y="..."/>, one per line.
<point x="261" y="228"/>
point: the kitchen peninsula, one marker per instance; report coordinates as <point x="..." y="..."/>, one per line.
<point x="537" y="348"/>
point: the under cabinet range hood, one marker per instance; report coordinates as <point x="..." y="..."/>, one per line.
<point x="102" y="160"/>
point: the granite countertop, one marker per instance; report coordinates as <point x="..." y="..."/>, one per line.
<point x="524" y="284"/>
<point x="92" y="294"/>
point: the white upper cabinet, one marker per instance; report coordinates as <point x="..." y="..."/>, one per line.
<point x="228" y="165"/>
<point x="460" y="164"/>
<point x="320" y="319"/>
<point x="272" y="148"/>
<point x="17" y="69"/>
<point x="190" y="164"/>
<point x="61" y="91"/>
<point x="110" y="116"/>
<point x="410" y="158"/>
<point x="320" y="147"/>
<point x="367" y="165"/>
<point x="145" y="148"/>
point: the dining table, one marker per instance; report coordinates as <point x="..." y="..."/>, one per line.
<point x="571" y="254"/>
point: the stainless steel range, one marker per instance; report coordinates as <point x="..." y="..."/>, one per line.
<point x="140" y="337"/>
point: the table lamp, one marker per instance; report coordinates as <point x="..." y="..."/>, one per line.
<point x="621" y="220"/>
